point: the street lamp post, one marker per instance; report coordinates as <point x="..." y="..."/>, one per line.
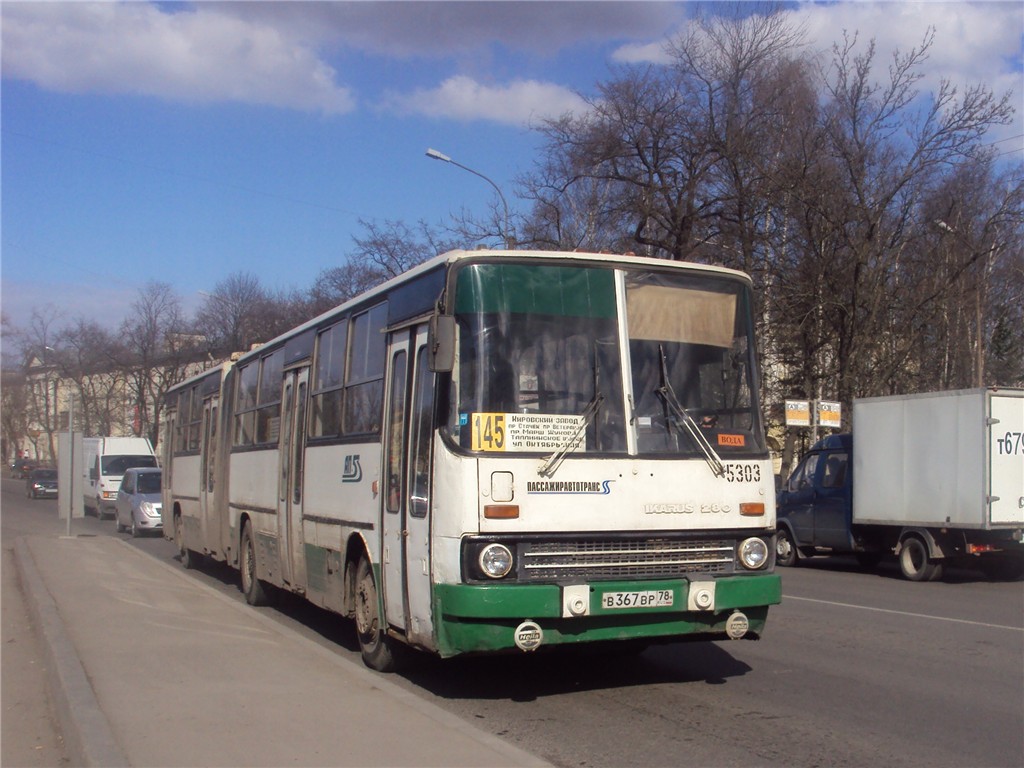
<point x="444" y="158"/>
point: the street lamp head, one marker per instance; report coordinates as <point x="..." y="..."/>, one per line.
<point x="438" y="155"/>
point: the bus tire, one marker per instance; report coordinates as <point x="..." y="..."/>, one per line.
<point x="785" y="549"/>
<point x="914" y="562"/>
<point x="187" y="556"/>
<point x="376" y="648"/>
<point x="252" y="587"/>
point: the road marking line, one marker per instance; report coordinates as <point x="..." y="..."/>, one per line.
<point x="903" y="613"/>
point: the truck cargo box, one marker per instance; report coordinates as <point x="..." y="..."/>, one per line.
<point x="940" y="459"/>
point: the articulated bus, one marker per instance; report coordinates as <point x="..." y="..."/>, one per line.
<point x="495" y="450"/>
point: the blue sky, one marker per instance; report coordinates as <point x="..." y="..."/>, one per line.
<point x="181" y="143"/>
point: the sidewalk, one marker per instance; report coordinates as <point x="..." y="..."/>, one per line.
<point x="150" y="667"/>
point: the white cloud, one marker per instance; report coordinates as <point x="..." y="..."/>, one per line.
<point x="975" y="43"/>
<point x="198" y="55"/>
<point x="642" y="53"/>
<point x="462" y="98"/>
<point x="444" y="29"/>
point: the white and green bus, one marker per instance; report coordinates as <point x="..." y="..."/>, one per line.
<point x="495" y="450"/>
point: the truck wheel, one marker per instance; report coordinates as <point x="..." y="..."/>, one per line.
<point x="252" y="587"/>
<point x="785" y="549"/>
<point x="376" y="648"/>
<point x="914" y="562"/>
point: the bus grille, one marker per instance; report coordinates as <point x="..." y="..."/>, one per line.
<point x="615" y="559"/>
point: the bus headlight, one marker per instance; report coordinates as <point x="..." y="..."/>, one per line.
<point x="753" y="553"/>
<point x="495" y="560"/>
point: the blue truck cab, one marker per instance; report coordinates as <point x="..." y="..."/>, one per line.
<point x="815" y="506"/>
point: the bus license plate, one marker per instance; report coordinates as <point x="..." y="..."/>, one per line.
<point x="655" y="598"/>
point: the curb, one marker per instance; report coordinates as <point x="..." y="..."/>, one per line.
<point x="88" y="737"/>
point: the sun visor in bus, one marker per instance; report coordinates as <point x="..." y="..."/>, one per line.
<point x="441" y="342"/>
<point x="683" y="315"/>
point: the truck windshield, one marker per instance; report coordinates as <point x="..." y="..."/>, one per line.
<point x="117" y="465"/>
<point x="580" y="358"/>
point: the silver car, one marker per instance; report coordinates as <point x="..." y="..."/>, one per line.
<point x="138" y="502"/>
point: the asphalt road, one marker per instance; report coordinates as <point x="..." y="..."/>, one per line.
<point x="857" y="668"/>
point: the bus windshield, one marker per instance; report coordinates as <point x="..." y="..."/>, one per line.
<point x="603" y="360"/>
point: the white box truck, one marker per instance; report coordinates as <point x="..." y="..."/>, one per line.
<point x="930" y="478"/>
<point x="105" y="460"/>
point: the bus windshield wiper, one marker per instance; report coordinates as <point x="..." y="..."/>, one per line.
<point x="551" y="463"/>
<point x="682" y="416"/>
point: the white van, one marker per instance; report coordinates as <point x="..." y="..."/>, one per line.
<point x="105" y="460"/>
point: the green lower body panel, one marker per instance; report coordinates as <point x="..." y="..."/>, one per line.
<point x="477" y="618"/>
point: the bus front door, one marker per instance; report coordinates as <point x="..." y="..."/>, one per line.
<point x="207" y="470"/>
<point x="291" y="454"/>
<point x="407" y="461"/>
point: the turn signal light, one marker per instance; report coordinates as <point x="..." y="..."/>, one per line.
<point x="501" y="511"/>
<point x="752" y="509"/>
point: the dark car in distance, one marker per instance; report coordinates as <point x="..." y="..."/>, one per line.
<point x="21" y="468"/>
<point x="41" y="483"/>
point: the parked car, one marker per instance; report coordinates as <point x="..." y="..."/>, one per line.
<point x="138" y="504"/>
<point x="41" y="483"/>
<point x="21" y="467"/>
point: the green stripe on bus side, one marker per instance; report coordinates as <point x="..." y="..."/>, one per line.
<point x="534" y="289"/>
<point x="472" y="618"/>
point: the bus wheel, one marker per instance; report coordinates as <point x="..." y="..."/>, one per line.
<point x="252" y="587"/>
<point x="187" y="560"/>
<point x="375" y="647"/>
<point x="914" y="562"/>
<point x="785" y="549"/>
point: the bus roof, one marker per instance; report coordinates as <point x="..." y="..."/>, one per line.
<point x="449" y="258"/>
<point x="453" y="256"/>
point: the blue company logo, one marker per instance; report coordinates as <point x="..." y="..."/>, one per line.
<point x="570" y="486"/>
<point x="353" y="471"/>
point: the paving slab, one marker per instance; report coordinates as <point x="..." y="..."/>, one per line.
<point x="156" y="668"/>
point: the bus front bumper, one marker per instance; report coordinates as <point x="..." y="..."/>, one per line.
<point x="492" y="617"/>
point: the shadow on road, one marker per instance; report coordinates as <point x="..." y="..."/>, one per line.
<point x="523" y="677"/>
<point x="888" y="568"/>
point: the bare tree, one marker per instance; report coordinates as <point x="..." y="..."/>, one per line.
<point x="384" y="251"/>
<point x="155" y="354"/>
<point x="880" y="157"/>
<point x="41" y="379"/>
<point x="83" y="354"/>
<point x="229" y="316"/>
<point x="13" y="411"/>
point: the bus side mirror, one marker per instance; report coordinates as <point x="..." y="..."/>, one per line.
<point x="441" y="340"/>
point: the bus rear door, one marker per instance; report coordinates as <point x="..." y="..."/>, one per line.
<point x="291" y="456"/>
